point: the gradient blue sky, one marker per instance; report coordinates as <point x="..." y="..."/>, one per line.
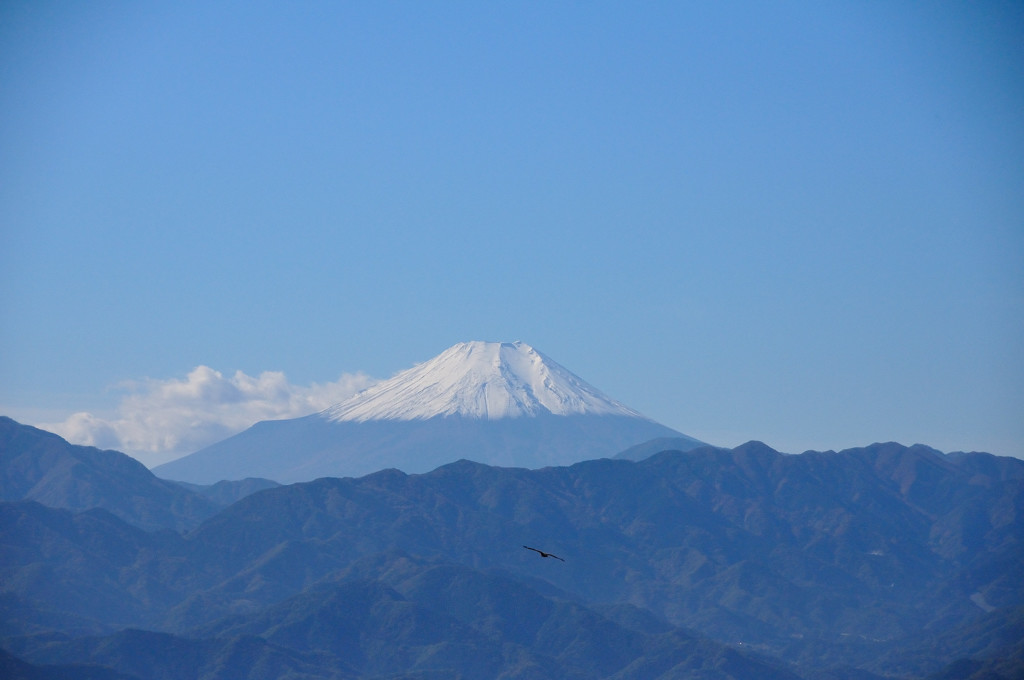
<point x="795" y="222"/>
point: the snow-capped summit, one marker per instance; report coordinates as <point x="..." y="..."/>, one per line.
<point x="496" y="403"/>
<point x="489" y="380"/>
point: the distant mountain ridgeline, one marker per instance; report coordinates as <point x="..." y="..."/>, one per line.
<point x="41" y="466"/>
<point x="884" y="561"/>
<point x="499" y="403"/>
<point x="303" y="449"/>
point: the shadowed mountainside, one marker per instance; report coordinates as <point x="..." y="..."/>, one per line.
<point x="883" y="561"/>
<point x="227" y="491"/>
<point x="41" y="466"/>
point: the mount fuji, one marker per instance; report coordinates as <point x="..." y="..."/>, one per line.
<point x="503" y="404"/>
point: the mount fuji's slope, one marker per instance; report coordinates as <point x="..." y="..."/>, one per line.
<point x="496" y="403"/>
<point x="304" y="449"/>
<point x="483" y="380"/>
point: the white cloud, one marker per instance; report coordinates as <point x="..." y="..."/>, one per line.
<point x="160" y="420"/>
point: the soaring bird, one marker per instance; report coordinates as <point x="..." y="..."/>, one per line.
<point x="542" y="553"/>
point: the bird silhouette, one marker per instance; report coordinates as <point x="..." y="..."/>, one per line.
<point x="542" y="553"/>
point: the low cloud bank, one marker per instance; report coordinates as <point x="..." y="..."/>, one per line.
<point x="160" y="420"/>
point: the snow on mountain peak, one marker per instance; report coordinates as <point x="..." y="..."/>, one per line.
<point x="487" y="380"/>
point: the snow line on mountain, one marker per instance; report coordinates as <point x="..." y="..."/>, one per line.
<point x="488" y="380"/>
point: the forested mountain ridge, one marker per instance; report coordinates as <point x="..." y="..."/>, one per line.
<point x="883" y="561"/>
<point x="41" y="466"/>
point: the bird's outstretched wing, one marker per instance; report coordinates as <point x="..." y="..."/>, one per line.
<point x="543" y="554"/>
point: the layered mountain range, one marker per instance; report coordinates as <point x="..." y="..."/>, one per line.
<point x="497" y="403"/>
<point x="415" y="535"/>
<point x="879" y="562"/>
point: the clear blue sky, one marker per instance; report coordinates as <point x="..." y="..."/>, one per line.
<point x="795" y="222"/>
